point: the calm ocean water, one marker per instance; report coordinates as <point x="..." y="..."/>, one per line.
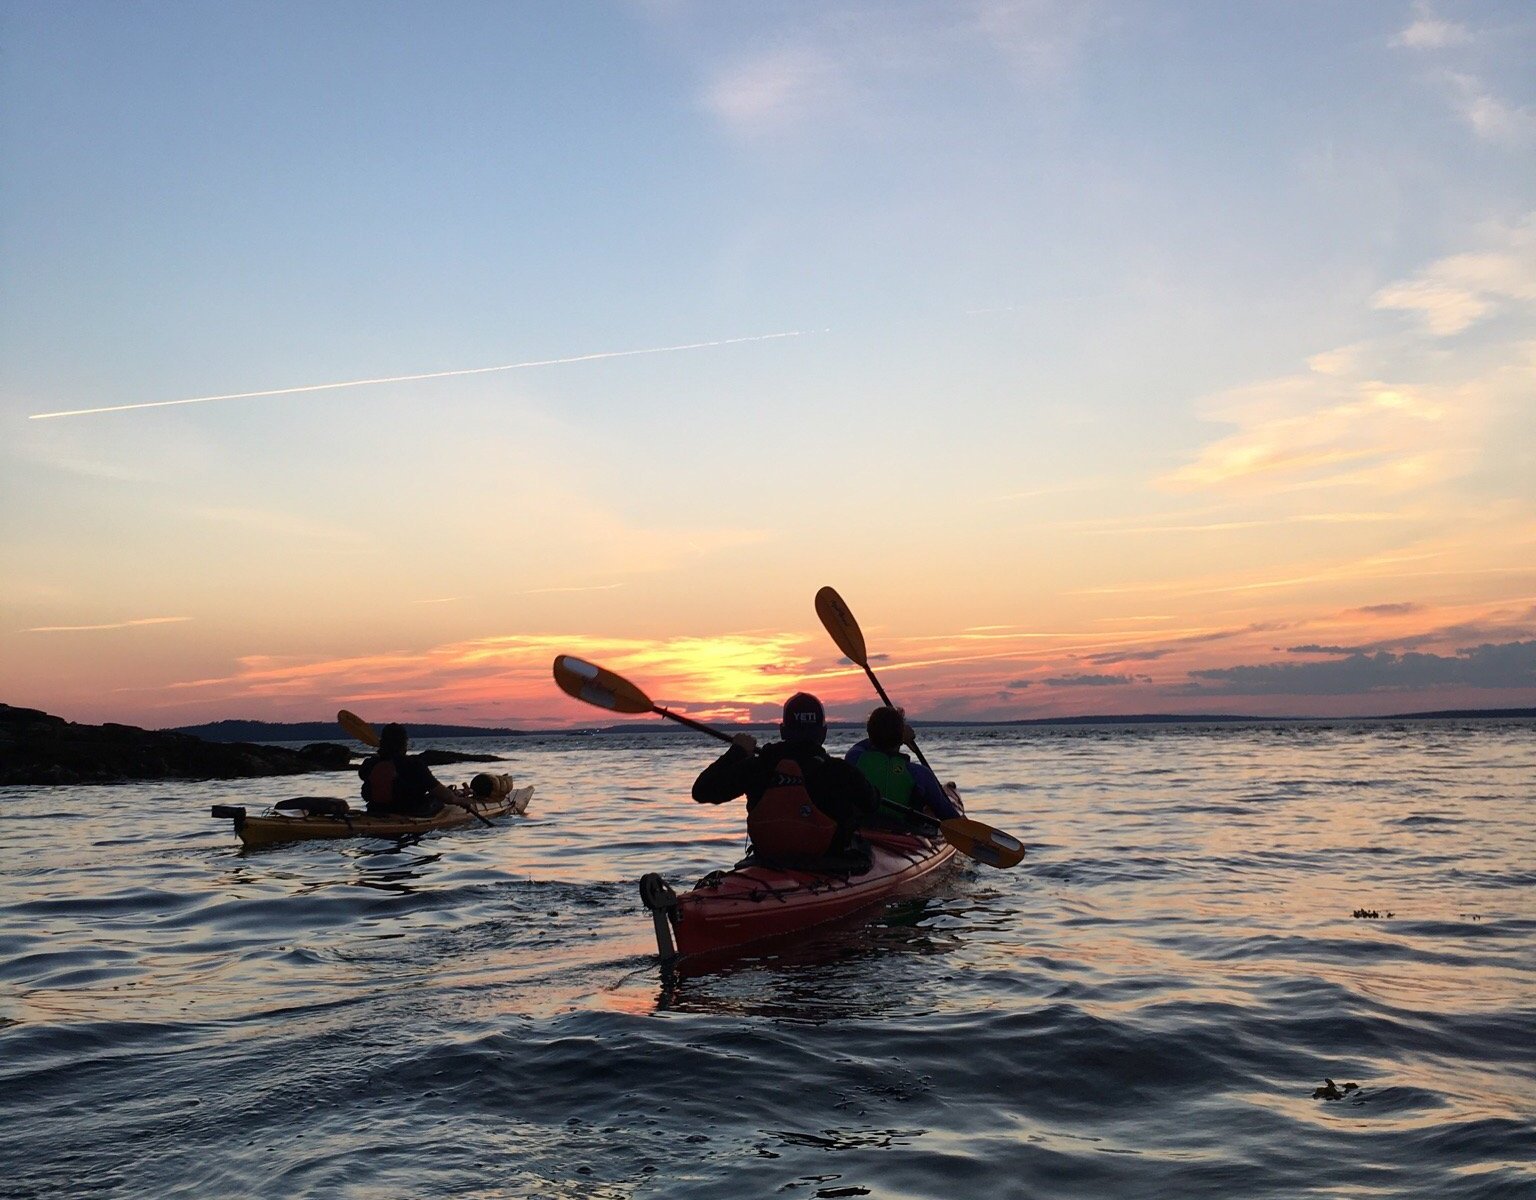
<point x="1143" y="1008"/>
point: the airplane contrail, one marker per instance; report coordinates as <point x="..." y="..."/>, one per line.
<point x="351" y="383"/>
<point x="113" y="625"/>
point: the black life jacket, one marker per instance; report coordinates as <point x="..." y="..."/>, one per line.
<point x="391" y="787"/>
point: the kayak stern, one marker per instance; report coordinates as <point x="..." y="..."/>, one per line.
<point x="752" y="902"/>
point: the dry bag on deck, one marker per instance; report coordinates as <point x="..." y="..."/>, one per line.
<point x="486" y="786"/>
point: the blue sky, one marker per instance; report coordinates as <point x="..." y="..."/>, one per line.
<point x="1046" y="263"/>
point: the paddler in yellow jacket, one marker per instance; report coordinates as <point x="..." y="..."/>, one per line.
<point x="904" y="784"/>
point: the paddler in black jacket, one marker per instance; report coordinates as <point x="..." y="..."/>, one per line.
<point x="802" y="804"/>
<point x="397" y="783"/>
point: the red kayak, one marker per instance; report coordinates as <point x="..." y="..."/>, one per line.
<point x="753" y="902"/>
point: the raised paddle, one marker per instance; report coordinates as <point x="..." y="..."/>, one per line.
<point x="369" y="736"/>
<point x="590" y="683"/>
<point x="358" y="728"/>
<point x="840" y="623"/>
<point x="593" y="685"/>
<point x="845" y="631"/>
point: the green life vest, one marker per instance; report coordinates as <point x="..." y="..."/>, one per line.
<point x="889" y="774"/>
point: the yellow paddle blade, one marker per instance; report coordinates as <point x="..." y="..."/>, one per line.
<point x="838" y="619"/>
<point x="982" y="842"/>
<point x="358" y="728"/>
<point x="591" y="684"/>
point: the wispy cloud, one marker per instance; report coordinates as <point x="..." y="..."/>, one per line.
<point x="858" y="61"/>
<point x="1341" y="518"/>
<point x="1338" y="425"/>
<point x="1491" y="118"/>
<point x="1042" y="40"/>
<point x="596" y="587"/>
<point x="1055" y="489"/>
<point x="1497" y="626"/>
<point x="283" y="524"/>
<point x="137" y="621"/>
<point x="1401" y="609"/>
<point x="1089" y="680"/>
<point x="1311" y="429"/>
<point x="1342" y="360"/>
<point x="355" y="383"/>
<point x="1454" y="293"/>
<point x="775" y="89"/>
<point x="92" y="468"/>
<point x="1429" y="32"/>
<point x="1153" y="650"/>
<point x="1374" y="567"/>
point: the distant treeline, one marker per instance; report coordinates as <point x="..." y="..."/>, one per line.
<point x="1462" y="714"/>
<point x="1191" y="719"/>
<point x="311" y="731"/>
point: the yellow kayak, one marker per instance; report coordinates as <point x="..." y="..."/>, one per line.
<point x="323" y="817"/>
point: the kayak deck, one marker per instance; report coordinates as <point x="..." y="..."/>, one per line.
<point x="274" y="827"/>
<point x="754" y="902"/>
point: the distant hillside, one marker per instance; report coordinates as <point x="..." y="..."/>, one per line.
<point x="771" y="727"/>
<point x="1228" y="718"/>
<point x="317" y="731"/>
<point x="1506" y="714"/>
<point x="323" y="731"/>
<point x="1493" y="714"/>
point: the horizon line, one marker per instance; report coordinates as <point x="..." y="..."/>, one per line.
<point x="1514" y="712"/>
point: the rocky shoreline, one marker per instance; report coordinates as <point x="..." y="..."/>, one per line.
<point x="38" y="748"/>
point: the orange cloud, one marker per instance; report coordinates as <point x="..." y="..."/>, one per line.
<point x="492" y="673"/>
<point x="1315" y="429"/>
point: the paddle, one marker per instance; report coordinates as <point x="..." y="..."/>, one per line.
<point x="988" y="845"/>
<point x="369" y="736"/>
<point x="972" y="838"/>
<point x="593" y="685"/>
<point x="590" y="683"/>
<point x="845" y="631"/>
<point x="358" y="728"/>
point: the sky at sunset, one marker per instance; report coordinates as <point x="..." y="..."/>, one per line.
<point x="1107" y="357"/>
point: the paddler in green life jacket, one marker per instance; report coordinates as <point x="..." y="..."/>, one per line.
<point x="802" y="804"/>
<point x="904" y="784"/>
